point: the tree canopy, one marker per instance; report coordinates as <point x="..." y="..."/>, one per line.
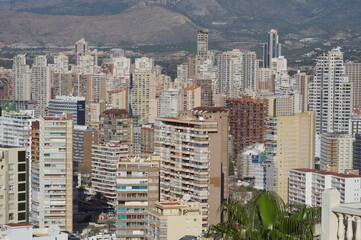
<point x="266" y="216"/>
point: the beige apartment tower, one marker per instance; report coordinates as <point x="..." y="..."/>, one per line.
<point x="190" y="97"/>
<point x="144" y="103"/>
<point x="52" y="173"/>
<point x="290" y="144"/>
<point x="194" y="158"/>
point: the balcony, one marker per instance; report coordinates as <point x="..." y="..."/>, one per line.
<point x="339" y="221"/>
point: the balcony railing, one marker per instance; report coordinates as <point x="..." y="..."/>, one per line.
<point x="340" y="221"/>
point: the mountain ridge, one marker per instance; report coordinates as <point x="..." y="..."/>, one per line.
<point x="168" y="21"/>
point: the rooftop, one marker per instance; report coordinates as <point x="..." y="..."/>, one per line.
<point x="19" y="225"/>
<point x="210" y="109"/>
<point x="190" y="88"/>
<point x="327" y="173"/>
<point x="116" y="111"/>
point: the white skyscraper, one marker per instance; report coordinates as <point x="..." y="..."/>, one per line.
<point x="169" y="103"/>
<point x="40" y="83"/>
<point x="330" y="94"/>
<point x="230" y="73"/>
<point x="21" y="74"/>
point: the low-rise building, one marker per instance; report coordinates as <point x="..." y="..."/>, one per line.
<point x="173" y="220"/>
<point x="305" y="186"/>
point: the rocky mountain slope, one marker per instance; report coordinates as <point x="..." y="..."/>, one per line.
<point x="172" y="21"/>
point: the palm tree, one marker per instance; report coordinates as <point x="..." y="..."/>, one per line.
<point x="266" y="216"/>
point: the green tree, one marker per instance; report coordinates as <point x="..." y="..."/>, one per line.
<point x="110" y="224"/>
<point x="94" y="231"/>
<point x="266" y="216"/>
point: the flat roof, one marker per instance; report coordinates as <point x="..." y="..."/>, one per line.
<point x="19" y="225"/>
<point x="327" y="173"/>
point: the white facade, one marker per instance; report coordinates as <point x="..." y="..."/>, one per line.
<point x="231" y="81"/>
<point x="52" y="175"/>
<point x="14" y="130"/>
<point x="169" y="103"/>
<point x="249" y="70"/>
<point x="65" y="104"/>
<point x="144" y="65"/>
<point x="105" y="160"/>
<point x="61" y="63"/>
<point x="330" y="94"/>
<point x="40" y="83"/>
<point x="22" y="76"/>
<point x="121" y="67"/>
<point x="306" y="186"/>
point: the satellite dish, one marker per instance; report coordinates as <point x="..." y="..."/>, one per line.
<point x="186" y="197"/>
<point x="53" y="230"/>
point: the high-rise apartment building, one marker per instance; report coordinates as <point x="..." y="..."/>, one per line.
<point x="169" y="103"/>
<point x="250" y="70"/>
<point x="116" y="125"/>
<point x="206" y="91"/>
<point x="105" y="160"/>
<point x="271" y="49"/>
<point x="247" y="121"/>
<point x="119" y="98"/>
<point x="14" y="197"/>
<point x="190" y="97"/>
<point x="336" y="152"/>
<point x="330" y="94"/>
<point x="202" y="44"/>
<point x="21" y="78"/>
<point x="14" y="130"/>
<point x="81" y="49"/>
<point x="305" y="186"/>
<point x="182" y="72"/>
<point x="265" y="80"/>
<point x="83" y="139"/>
<point x="40" y="83"/>
<point x="353" y="72"/>
<point x="144" y="103"/>
<point x="147" y="139"/>
<point x="144" y="65"/>
<point x="137" y="189"/>
<point x="61" y="63"/>
<point x="193" y="149"/>
<point x="52" y="172"/>
<point x="90" y="86"/>
<point x="230" y="70"/>
<point x="290" y="143"/>
<point x="302" y="83"/>
<point x="68" y="104"/>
